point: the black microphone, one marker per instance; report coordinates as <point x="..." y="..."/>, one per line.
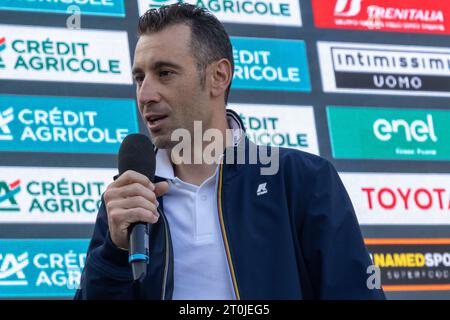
<point x="136" y="153"/>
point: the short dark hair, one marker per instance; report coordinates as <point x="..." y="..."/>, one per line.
<point x="209" y="40"/>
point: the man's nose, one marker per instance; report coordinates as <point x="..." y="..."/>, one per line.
<point x="148" y="93"/>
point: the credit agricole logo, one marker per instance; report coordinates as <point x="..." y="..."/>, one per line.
<point x="270" y="64"/>
<point x="8" y="193"/>
<point x="271" y="12"/>
<point x="68" y="125"/>
<point x="280" y="126"/>
<point x="65" y="55"/>
<point x="2" y="48"/>
<point x="89" y="7"/>
<point x="51" y="195"/>
<point x="384" y="133"/>
<point x="41" y="267"/>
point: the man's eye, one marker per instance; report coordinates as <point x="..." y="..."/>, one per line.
<point x="165" y="73"/>
<point x="138" y="79"/>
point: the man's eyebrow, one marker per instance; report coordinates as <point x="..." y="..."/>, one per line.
<point x="162" y="63"/>
<point x="136" y="70"/>
<point x="157" y="65"/>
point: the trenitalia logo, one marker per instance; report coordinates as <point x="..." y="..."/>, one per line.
<point x="271" y="12"/>
<point x="270" y="64"/>
<point x="347" y="8"/>
<point x="416" y="16"/>
<point x="395" y="198"/>
<point x="384" y="69"/>
<point x="41" y="267"/>
<point x="70" y="125"/>
<point x="51" y="195"/>
<point x="90" y="7"/>
<point x="57" y="54"/>
<point x="412" y="264"/>
<point x="382" y="133"/>
<point x="280" y="126"/>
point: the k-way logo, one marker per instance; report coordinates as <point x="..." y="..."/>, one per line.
<point x="384" y="69"/>
<point x="54" y="124"/>
<point x="419" y="16"/>
<point x="394" y="198"/>
<point x="51" y="195"/>
<point x="273" y="12"/>
<point x="41" y="268"/>
<point x="280" y="126"/>
<point x="91" y="7"/>
<point x="56" y="54"/>
<point x="270" y="64"/>
<point x="381" y="133"/>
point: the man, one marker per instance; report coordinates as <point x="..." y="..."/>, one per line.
<point x="219" y="230"/>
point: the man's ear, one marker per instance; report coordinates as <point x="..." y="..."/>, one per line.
<point x="220" y="75"/>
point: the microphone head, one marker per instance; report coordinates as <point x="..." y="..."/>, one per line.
<point x="136" y="153"/>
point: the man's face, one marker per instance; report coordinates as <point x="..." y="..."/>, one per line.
<point x="169" y="91"/>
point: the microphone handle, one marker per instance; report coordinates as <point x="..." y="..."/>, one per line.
<point x="139" y="251"/>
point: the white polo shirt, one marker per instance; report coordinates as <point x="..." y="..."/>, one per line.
<point x="201" y="268"/>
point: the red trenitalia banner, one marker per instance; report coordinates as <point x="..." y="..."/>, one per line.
<point x="415" y="16"/>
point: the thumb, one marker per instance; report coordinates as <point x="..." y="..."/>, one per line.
<point x="161" y="188"/>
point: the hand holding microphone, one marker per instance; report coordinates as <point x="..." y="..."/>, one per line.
<point x="131" y="199"/>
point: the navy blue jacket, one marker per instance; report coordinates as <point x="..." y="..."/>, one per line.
<point x="300" y="240"/>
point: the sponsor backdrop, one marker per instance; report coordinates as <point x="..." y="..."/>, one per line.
<point x="363" y="83"/>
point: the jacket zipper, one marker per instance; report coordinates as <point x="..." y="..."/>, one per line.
<point x="224" y="238"/>
<point x="166" y="263"/>
<point x="224" y="234"/>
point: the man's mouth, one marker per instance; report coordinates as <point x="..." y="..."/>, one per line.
<point x="155" y="120"/>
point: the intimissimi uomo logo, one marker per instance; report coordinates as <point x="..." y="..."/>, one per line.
<point x="384" y="69"/>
